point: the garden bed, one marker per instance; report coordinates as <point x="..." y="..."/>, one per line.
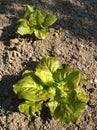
<point x="72" y="40"/>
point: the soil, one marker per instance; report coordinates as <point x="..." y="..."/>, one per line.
<point x="72" y="39"/>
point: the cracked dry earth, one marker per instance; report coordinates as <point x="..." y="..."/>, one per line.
<point x="72" y="39"/>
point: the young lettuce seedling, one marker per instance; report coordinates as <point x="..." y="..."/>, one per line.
<point x="35" y="22"/>
<point x="61" y="88"/>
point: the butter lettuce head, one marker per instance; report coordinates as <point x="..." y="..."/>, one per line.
<point x="35" y="22"/>
<point x="58" y="88"/>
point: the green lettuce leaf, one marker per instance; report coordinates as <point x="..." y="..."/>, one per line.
<point x="68" y="107"/>
<point x="48" y="19"/>
<point x="52" y="104"/>
<point x="41" y="34"/>
<point x="28" y="89"/>
<point x="31" y="88"/>
<point x="69" y="113"/>
<point x="30" y="108"/>
<point x="46" y="67"/>
<point x="28" y="11"/>
<point x="36" y="19"/>
<point x="81" y="95"/>
<point x="24" y="28"/>
<point x="70" y="77"/>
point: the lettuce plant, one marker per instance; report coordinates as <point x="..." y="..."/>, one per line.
<point x="60" y="88"/>
<point x="35" y="22"/>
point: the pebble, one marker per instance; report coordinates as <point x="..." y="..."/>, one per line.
<point x="13" y="41"/>
<point x="91" y="81"/>
<point x="4" y="117"/>
<point x="45" y="128"/>
<point x="95" y="80"/>
<point x="56" y="34"/>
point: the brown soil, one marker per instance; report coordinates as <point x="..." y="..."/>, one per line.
<point x="72" y="39"/>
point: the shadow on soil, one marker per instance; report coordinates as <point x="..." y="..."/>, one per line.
<point x="78" y="18"/>
<point x="8" y="33"/>
<point x="8" y="99"/>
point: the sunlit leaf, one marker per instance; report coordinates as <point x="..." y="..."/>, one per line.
<point x="46" y="68"/>
<point x="23" y="28"/>
<point x="28" y="11"/>
<point x="30" y="108"/>
<point x="41" y="34"/>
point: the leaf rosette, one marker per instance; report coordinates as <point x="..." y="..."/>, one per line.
<point x="61" y="89"/>
<point x="35" y="22"/>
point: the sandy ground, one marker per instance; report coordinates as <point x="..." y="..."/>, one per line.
<point x="72" y="39"/>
